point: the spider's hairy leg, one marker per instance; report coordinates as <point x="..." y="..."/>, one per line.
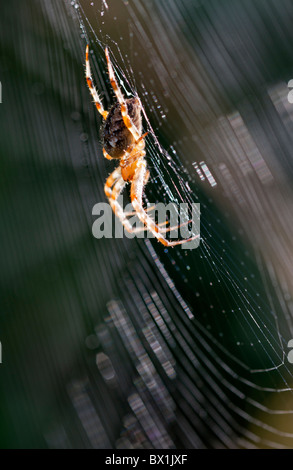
<point x="111" y="180"/>
<point x="91" y="86"/>
<point x="113" y="193"/>
<point x="130" y="157"/>
<point x="106" y="155"/>
<point x="113" y="187"/>
<point x="126" y="118"/>
<point x="137" y="186"/>
<point x="147" y="177"/>
<point x="113" y="200"/>
<point x="136" y="147"/>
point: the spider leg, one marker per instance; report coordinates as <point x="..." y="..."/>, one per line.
<point x="127" y="121"/>
<point x="91" y="86"/>
<point x="118" y="209"/>
<point x="106" y="155"/>
<point x="136" y="199"/>
<point x="113" y="193"/>
<point x="116" y="206"/>
<point x="135" y="151"/>
<point x="111" y="180"/>
<point x="149" y="209"/>
<point x="113" y="188"/>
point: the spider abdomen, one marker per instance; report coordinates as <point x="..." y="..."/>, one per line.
<point x="116" y="137"/>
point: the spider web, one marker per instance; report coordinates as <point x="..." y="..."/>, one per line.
<point x="238" y="282"/>
<point x="175" y="348"/>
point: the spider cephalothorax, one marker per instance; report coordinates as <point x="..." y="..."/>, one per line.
<point x="123" y="140"/>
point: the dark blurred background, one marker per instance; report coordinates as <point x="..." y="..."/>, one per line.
<point x="121" y="343"/>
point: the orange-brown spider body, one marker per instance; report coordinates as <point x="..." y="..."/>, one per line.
<point x="123" y="139"/>
<point x="118" y="140"/>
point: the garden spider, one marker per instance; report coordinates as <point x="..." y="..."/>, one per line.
<point x="123" y="140"/>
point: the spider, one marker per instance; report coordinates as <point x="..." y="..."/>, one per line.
<point x="123" y="140"/>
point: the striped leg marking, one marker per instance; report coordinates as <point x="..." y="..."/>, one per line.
<point x="91" y="86"/>
<point x="136" y="199"/>
<point x="127" y="121"/>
